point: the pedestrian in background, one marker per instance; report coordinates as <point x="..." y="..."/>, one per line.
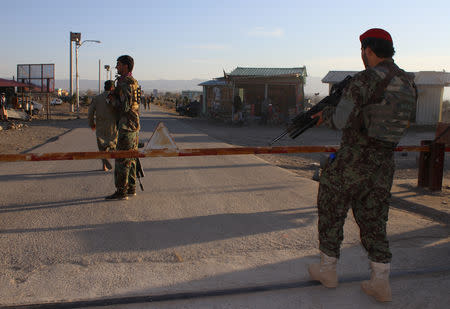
<point x="373" y="114"/>
<point x="125" y="101"/>
<point x="238" y="106"/>
<point x="103" y="120"/>
<point x="3" y="113"/>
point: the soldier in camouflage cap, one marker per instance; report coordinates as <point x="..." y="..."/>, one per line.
<point x="373" y="114"/>
<point x="125" y="101"/>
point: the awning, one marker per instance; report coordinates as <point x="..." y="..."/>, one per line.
<point x="13" y="83"/>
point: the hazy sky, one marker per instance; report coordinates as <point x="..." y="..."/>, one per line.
<point x="197" y="39"/>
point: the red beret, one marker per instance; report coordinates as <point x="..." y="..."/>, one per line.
<point x="376" y="33"/>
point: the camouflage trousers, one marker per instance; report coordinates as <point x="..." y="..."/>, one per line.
<point x="362" y="180"/>
<point x="125" y="169"/>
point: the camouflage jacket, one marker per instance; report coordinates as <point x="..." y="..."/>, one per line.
<point x="126" y="103"/>
<point x="368" y="116"/>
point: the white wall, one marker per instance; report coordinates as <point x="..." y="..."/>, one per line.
<point x="428" y="104"/>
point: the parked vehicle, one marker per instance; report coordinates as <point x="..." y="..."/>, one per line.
<point x="37" y="107"/>
<point x="193" y="109"/>
<point x="56" y="101"/>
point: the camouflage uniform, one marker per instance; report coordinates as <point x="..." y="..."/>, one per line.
<point x="361" y="176"/>
<point x="102" y="116"/>
<point x="127" y="108"/>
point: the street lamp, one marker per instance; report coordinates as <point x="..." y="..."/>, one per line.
<point x="78" y="45"/>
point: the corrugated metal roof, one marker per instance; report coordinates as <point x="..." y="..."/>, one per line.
<point x="12" y="83"/>
<point x="214" y="82"/>
<point x="421" y="78"/>
<point x="266" y="72"/>
<point x="337" y="76"/>
<point x="432" y="78"/>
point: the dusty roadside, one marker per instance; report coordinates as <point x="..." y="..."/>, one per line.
<point x="22" y="136"/>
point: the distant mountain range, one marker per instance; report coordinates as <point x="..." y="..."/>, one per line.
<point x="313" y="85"/>
<point x="147" y="85"/>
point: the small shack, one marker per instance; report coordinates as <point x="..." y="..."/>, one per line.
<point x="282" y="87"/>
<point x="217" y="97"/>
<point x="430" y="90"/>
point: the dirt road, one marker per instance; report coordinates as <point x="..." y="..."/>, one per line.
<point x="24" y="137"/>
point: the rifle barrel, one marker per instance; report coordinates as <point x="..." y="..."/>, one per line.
<point x="276" y="139"/>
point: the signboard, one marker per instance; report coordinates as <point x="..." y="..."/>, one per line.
<point x="41" y="76"/>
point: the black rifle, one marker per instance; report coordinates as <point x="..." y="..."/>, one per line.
<point x="303" y="121"/>
<point x="139" y="172"/>
<point x="139" y="169"/>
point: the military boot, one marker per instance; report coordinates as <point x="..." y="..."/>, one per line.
<point x="325" y="272"/>
<point x="131" y="191"/>
<point x="378" y="286"/>
<point x="117" y="196"/>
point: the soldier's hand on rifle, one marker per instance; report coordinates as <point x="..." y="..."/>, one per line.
<point x="318" y="115"/>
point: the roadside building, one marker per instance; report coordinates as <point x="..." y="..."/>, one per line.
<point x="282" y="87"/>
<point x="9" y="86"/>
<point x="13" y="89"/>
<point x="430" y="90"/>
<point x="217" y="98"/>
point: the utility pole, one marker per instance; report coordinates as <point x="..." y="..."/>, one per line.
<point x="70" y="65"/>
<point x="74" y="37"/>
<point x="99" y="76"/>
<point x="77" y="46"/>
<point x="76" y="77"/>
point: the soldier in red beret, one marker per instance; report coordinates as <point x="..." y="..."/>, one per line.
<point x="373" y="114"/>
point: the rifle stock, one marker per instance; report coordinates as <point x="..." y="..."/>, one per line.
<point x="303" y="120"/>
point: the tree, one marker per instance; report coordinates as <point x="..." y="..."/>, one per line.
<point x="90" y="93"/>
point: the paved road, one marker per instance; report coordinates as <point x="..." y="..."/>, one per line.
<point x="202" y="224"/>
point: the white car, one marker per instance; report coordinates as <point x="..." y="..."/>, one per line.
<point x="56" y="101"/>
<point x="37" y="107"/>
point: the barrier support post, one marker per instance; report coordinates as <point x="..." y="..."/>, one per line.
<point x="431" y="166"/>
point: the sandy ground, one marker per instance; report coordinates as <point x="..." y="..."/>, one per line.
<point x="20" y="137"/>
<point x="23" y="136"/>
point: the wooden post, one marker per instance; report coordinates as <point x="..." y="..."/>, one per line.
<point x="436" y="166"/>
<point x="48" y="106"/>
<point x="431" y="166"/>
<point x="424" y="159"/>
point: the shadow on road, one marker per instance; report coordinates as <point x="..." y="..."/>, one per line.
<point x="428" y="212"/>
<point x="83" y="174"/>
<point x="146" y="236"/>
<point x="47" y="205"/>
